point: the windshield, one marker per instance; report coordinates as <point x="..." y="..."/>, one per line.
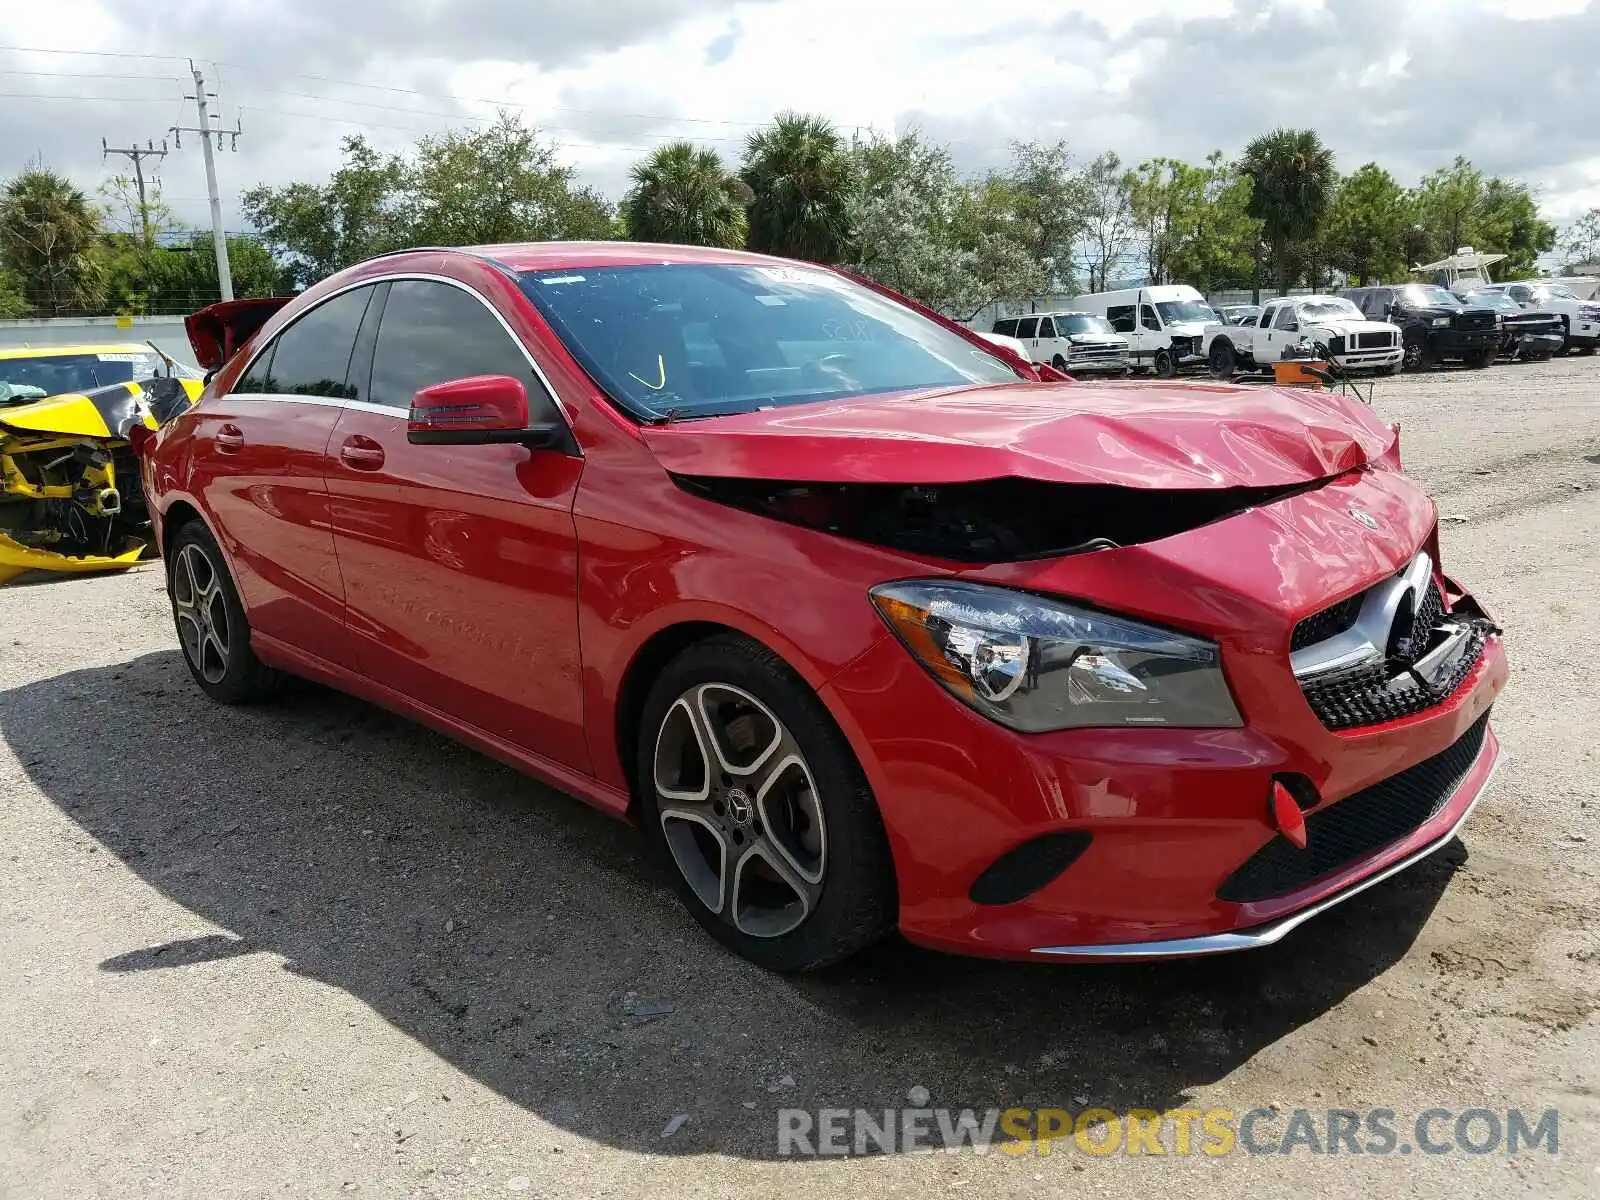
<point x="1083" y="324"/>
<point x="1175" y="311"/>
<point x="23" y="379"/>
<point x="1559" y="290"/>
<point x="696" y="340"/>
<point x="1424" y="295"/>
<point x="1498" y="301"/>
<point x="1330" y="310"/>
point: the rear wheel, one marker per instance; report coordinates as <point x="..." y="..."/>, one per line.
<point x="211" y="623"/>
<point x="1416" y="355"/>
<point x="760" y="811"/>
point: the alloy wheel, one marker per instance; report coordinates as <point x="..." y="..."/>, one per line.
<point x="739" y="810"/>
<point x="202" y="612"/>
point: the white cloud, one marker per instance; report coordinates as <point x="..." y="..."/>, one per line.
<point x="1510" y="83"/>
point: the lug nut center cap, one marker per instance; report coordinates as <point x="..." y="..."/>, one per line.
<point x="741" y="809"/>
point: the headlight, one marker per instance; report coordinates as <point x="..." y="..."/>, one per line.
<point x="1035" y="665"/>
<point x="1590" y="312"/>
<point x="1438" y="321"/>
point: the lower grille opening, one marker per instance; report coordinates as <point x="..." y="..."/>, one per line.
<point x="1358" y="826"/>
<point x="1024" y="869"/>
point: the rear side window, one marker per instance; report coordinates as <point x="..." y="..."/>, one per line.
<point x="1007" y="327"/>
<point x="312" y="356"/>
<point x="432" y="332"/>
<point x="1121" y="317"/>
<point x="1027" y="326"/>
<point x="254" y="381"/>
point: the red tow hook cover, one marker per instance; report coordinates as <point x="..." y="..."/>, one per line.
<point x="1286" y="815"/>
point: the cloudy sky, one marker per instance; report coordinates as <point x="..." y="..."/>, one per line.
<point x="1512" y="84"/>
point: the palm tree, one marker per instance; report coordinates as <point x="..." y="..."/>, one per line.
<point x="683" y="193"/>
<point x="50" y="240"/>
<point x="1292" y="181"/>
<point x="800" y="176"/>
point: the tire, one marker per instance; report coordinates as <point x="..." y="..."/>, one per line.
<point x="1059" y="364"/>
<point x="213" y="630"/>
<point x="1416" y="357"/>
<point x="1223" y="361"/>
<point x="820" y="885"/>
<point x="1164" y="365"/>
<point x="1482" y="359"/>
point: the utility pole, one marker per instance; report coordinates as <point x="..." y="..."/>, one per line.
<point x="201" y="98"/>
<point x="138" y="154"/>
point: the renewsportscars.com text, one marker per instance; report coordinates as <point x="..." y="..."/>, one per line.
<point x="1214" y="1132"/>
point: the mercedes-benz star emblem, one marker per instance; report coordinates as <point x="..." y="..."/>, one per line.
<point x="1362" y="515"/>
<point x="739" y="806"/>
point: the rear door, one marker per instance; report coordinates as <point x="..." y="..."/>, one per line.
<point x="260" y="465"/>
<point x="460" y="562"/>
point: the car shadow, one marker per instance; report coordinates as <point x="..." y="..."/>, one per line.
<point x="526" y="938"/>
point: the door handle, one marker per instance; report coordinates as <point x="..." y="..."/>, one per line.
<point x="229" y="439"/>
<point x="361" y="453"/>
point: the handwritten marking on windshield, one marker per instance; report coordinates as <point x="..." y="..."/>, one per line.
<point x="661" y="366"/>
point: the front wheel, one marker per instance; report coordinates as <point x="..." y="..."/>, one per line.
<point x="1416" y="355"/>
<point x="212" y="627"/>
<point x="1059" y="364"/>
<point x="760" y="811"/>
<point x="1223" y="360"/>
<point x="1165" y="365"/>
<point x="1481" y="359"/>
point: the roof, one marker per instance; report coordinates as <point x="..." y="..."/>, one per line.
<point x="537" y="256"/>
<point x="52" y="351"/>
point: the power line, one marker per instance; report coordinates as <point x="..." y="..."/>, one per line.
<point x="110" y="99"/>
<point x="90" y="75"/>
<point x="93" y="53"/>
<point x="280" y="112"/>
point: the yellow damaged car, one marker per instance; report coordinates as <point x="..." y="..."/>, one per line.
<point x="70" y="498"/>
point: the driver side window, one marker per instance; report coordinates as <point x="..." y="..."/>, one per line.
<point x="1148" y="318"/>
<point x="1286" y="318"/>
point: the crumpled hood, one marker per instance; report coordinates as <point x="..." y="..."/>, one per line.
<point x="1346" y="326"/>
<point x="1123" y="434"/>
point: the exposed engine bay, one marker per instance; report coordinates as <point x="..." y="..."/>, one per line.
<point x="70" y="496"/>
<point x="991" y="520"/>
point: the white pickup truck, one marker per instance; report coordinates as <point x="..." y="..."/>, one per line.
<point x="1343" y="336"/>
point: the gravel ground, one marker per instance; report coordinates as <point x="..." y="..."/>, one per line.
<point x="314" y="949"/>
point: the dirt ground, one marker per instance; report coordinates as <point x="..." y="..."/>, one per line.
<point x="311" y="949"/>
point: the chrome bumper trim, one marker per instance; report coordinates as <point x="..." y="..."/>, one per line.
<point x="1266" y="935"/>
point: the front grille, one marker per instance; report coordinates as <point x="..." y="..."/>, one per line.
<point x="1319" y="627"/>
<point x="1375" y="341"/>
<point x="1358" y="826"/>
<point x="1082" y="353"/>
<point x="1482" y="318"/>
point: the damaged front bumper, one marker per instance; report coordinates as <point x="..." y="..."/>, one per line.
<point x="17" y="559"/>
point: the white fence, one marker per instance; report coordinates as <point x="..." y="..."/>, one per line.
<point x="165" y="332"/>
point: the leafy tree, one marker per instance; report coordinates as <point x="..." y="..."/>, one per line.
<point x="13" y="303"/>
<point x="1507" y="222"/>
<point x="50" y="242"/>
<point x="991" y="235"/>
<point x="683" y="193"/>
<point x="1194" y="222"/>
<point x="800" y="176"/>
<point x="1052" y="201"/>
<point x="500" y="184"/>
<point x="1292" y="182"/>
<point x="1447" y="202"/>
<point x="902" y="211"/>
<point x="1367" y="225"/>
<point x="322" y="228"/>
<point x="1582" y="242"/>
<point x="1108" y="217"/>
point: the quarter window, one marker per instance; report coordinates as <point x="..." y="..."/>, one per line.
<point x="432" y="332"/>
<point x="312" y="356"/>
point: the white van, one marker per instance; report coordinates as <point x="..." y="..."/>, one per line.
<point x="1165" y="325"/>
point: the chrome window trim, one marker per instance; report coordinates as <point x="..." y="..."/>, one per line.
<point x="370" y="406"/>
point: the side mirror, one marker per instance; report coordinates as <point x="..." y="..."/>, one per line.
<point x="478" y="411"/>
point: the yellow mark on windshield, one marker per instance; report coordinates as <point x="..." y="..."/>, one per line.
<point x="661" y="366"/>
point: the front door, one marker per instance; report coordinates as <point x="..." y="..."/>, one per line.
<point x="261" y="465"/>
<point x="460" y="562"/>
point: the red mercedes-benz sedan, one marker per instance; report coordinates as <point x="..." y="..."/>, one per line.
<point x="867" y="623"/>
